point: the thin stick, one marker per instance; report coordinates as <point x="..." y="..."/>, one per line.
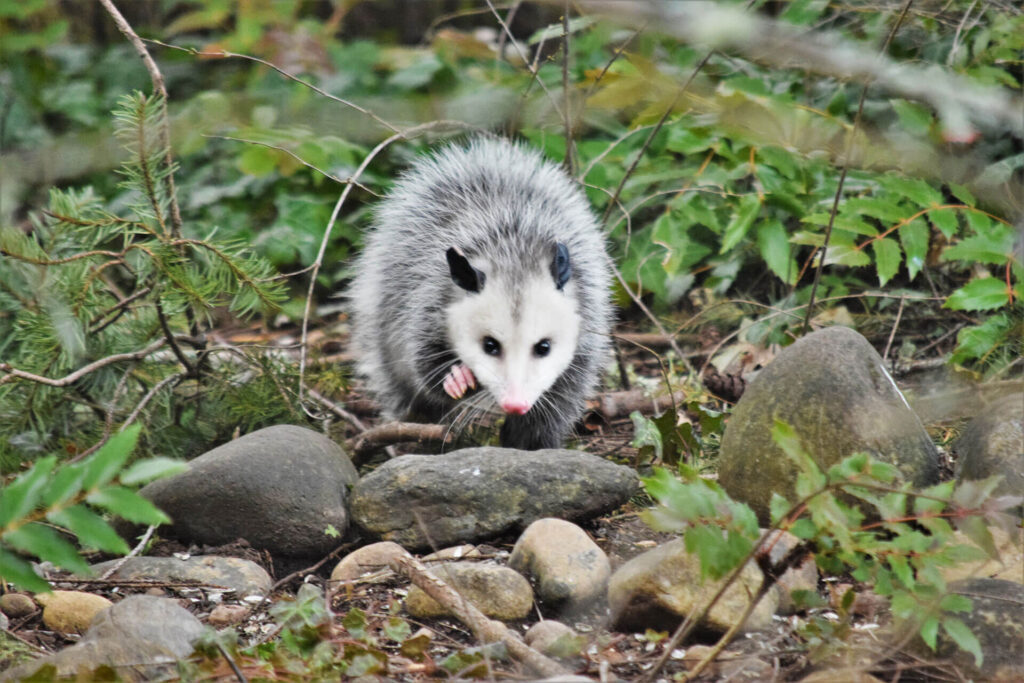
<point x="13" y="373"/>
<point x="570" y="149"/>
<point x="842" y="176"/>
<point x="135" y="551"/>
<point x="892" y="333"/>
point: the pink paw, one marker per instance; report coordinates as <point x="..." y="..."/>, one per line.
<point x="458" y="379"/>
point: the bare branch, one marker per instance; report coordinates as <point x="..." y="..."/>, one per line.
<point x="398" y="432"/>
<point x="14" y="373"/>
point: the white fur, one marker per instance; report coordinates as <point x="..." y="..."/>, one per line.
<point x="517" y="375"/>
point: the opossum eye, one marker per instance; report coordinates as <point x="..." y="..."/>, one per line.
<point x="542" y="348"/>
<point x="491" y="346"/>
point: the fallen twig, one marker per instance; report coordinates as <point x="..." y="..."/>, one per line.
<point x="485" y="629"/>
<point x="615" y="404"/>
<point x="397" y="432"/>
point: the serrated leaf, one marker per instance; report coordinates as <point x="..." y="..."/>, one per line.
<point x="946" y="221"/>
<point x="43" y="542"/>
<point x="980" y="294"/>
<point x="914" y="189"/>
<point x="741" y="221"/>
<point x="963" y="637"/>
<point x="20" y="572"/>
<point x="129" y="505"/>
<point x="930" y="631"/>
<point x="23" y="494"/>
<point x="914" y="238"/>
<point x="104" y="464"/>
<point x="773" y="244"/>
<point x="993" y="246"/>
<point x="887" y="258"/>
<point x="152" y="468"/>
<point x="974" y="528"/>
<point x="64" y="485"/>
<point x="91" y="530"/>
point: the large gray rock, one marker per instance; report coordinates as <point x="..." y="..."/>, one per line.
<point x="663" y="586"/>
<point x="140" y="638"/>
<point x="993" y="443"/>
<point x="832" y="388"/>
<point x="234" y="573"/>
<point x="279" y="488"/>
<point x="997" y="621"/>
<point x="470" y="495"/>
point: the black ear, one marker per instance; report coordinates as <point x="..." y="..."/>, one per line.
<point x="463" y="273"/>
<point x="561" y="269"/>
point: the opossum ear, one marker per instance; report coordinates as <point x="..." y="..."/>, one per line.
<point x="561" y="269"/>
<point x="463" y="273"/>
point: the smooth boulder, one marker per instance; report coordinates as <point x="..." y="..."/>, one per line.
<point x="233" y="573"/>
<point x="663" y="586"/>
<point x="498" y="592"/>
<point x="474" y="494"/>
<point x="280" y="488"/>
<point x="832" y="388"/>
<point x="993" y="443"/>
<point x="140" y="638"/>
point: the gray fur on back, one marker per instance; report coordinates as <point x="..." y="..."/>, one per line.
<point x="490" y="198"/>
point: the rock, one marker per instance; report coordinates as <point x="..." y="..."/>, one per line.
<point x="279" y="488"/>
<point x="803" y="577"/>
<point x="369" y="561"/>
<point x="497" y="591"/>
<point x="234" y="573"/>
<point x="993" y="443"/>
<point x="227" y="615"/>
<point x="455" y="552"/>
<point x="565" y="566"/>
<point x="480" y="493"/>
<point x="997" y="621"/>
<point x="1009" y="566"/>
<point x="659" y="588"/>
<point x="140" y="637"/>
<point x="553" y="638"/>
<point x="17" y="605"/>
<point x="832" y="388"/>
<point x="70" y="611"/>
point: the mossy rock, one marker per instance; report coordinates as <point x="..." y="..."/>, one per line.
<point x="832" y="388"/>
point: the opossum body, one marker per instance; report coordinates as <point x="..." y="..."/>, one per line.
<point x="485" y="267"/>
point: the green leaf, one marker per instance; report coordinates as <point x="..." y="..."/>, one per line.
<point x="993" y="246"/>
<point x="915" y="117"/>
<point x="773" y="244"/>
<point x="91" y="530"/>
<point x="887" y="258"/>
<point x="976" y="341"/>
<point x="946" y="221"/>
<point x="64" y="485"/>
<point x="914" y="189"/>
<point x="23" y="495"/>
<point x="914" y="238"/>
<point x="152" y="468"/>
<point x="257" y="161"/>
<point x="929" y="631"/>
<point x="741" y="221"/>
<point x="980" y="294"/>
<point x="974" y="528"/>
<point x="43" y="542"/>
<point x="397" y="629"/>
<point x="20" y="572"/>
<point x="962" y="636"/>
<point x="128" y="504"/>
<point x="104" y="464"/>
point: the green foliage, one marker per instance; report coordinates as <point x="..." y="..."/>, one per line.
<point x="49" y="500"/>
<point x="858" y="519"/>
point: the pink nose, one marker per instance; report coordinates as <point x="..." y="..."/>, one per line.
<point x="515" y="407"/>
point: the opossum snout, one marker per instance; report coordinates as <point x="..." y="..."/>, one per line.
<point x="515" y="407"/>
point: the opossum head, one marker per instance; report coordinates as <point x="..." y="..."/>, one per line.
<point x="517" y="337"/>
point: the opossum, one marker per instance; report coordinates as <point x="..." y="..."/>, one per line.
<point x="484" y="267"/>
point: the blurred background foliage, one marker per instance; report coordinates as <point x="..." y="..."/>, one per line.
<point x="716" y="219"/>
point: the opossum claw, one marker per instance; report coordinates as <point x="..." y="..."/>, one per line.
<point x="458" y="379"/>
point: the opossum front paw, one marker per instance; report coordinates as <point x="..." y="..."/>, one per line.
<point x="458" y="380"/>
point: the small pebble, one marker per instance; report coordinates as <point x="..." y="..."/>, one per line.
<point x="227" y="615"/>
<point x="17" y="605"/>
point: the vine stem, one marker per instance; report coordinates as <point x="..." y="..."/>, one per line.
<point x="846" y="167"/>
